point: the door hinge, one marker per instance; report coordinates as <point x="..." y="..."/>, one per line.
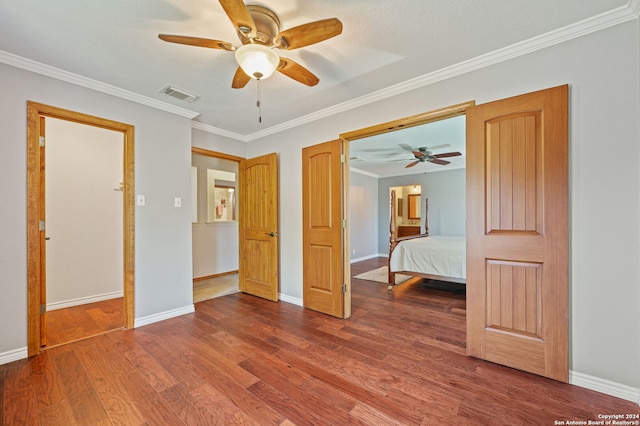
<point x="344" y="288"/>
<point x="43" y="309"/>
<point x="41" y="139"/>
<point x="343" y="158"/>
<point x="41" y="225"/>
<point x="344" y="223"/>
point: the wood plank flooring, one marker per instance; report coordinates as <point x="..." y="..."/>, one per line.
<point x="79" y="322"/>
<point x="215" y="287"/>
<point x="400" y="360"/>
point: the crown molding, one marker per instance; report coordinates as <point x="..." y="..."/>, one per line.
<point x="58" y="74"/>
<point x="363" y="172"/>
<point x="596" y="23"/>
<point x="218" y="131"/>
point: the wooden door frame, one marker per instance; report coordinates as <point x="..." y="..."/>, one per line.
<point x="378" y="129"/>
<point x="35" y="212"/>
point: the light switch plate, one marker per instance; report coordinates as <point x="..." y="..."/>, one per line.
<point x="140" y="201"/>
<point x="177" y="202"/>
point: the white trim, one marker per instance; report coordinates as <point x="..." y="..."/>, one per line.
<point x="290" y="299"/>
<point x="605" y="386"/>
<point x="218" y="131"/>
<point x="596" y="23"/>
<point x="150" y="319"/>
<point x="58" y="74"/>
<point x="14" y="355"/>
<point x="363" y="172"/>
<point x="83" y="300"/>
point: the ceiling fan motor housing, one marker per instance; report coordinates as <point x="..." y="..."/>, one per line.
<point x="267" y="26"/>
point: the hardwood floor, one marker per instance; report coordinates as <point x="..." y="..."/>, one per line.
<point x="78" y="322"/>
<point x="239" y="359"/>
<point x="215" y="287"/>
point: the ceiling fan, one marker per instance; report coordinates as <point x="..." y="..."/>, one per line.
<point x="425" y="154"/>
<point x="259" y="32"/>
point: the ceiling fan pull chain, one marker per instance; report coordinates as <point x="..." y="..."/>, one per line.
<point x="259" y="103"/>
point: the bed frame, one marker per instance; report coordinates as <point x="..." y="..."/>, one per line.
<point x="394" y="240"/>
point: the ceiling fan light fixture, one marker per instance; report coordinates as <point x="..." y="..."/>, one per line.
<point x="257" y="61"/>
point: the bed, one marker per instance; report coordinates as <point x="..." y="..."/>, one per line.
<point x="436" y="257"/>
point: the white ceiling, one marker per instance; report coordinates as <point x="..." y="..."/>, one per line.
<point x="384" y="43"/>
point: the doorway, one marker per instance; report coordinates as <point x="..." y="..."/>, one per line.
<point x="84" y="288"/>
<point x="215" y="234"/>
<point x="382" y="160"/>
<point x="37" y="237"/>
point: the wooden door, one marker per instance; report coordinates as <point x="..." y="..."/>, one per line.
<point x="259" y="226"/>
<point x="325" y="288"/>
<point x="517" y="232"/>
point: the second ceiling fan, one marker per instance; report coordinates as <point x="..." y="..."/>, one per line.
<point x="259" y="32"/>
<point x="425" y="155"/>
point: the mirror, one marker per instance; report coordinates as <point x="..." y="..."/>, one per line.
<point x="414" y="206"/>
<point x="408" y="209"/>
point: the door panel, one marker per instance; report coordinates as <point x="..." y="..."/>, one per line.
<point x="322" y="184"/>
<point x="259" y="274"/>
<point x="517" y="232"/>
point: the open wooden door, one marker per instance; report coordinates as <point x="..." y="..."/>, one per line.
<point x="325" y="286"/>
<point x="517" y="232"/>
<point x="259" y="226"/>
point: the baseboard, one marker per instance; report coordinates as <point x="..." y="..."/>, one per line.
<point x="150" y="319"/>
<point x="371" y="256"/>
<point x="83" y="300"/>
<point x="14" y="355"/>
<point x="605" y="386"/>
<point x="209" y="277"/>
<point x="289" y="299"/>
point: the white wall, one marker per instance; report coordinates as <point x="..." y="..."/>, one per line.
<point x="163" y="279"/>
<point x="363" y="215"/>
<point x="602" y="69"/>
<point x="83" y="213"/>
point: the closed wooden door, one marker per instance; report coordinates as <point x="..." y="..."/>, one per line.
<point x="517" y="232"/>
<point x="258" y="222"/>
<point x="324" y="286"/>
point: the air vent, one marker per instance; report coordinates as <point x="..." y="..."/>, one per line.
<point x="178" y="93"/>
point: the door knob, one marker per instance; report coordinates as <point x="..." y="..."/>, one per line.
<point x="271" y="234"/>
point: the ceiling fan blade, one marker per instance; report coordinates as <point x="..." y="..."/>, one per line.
<point x="239" y="15"/>
<point x="441" y="162"/>
<point x="306" y="34"/>
<point x="411" y="164"/>
<point x="297" y="72"/>
<point x="197" y="41"/>
<point x="418" y="154"/>
<point x="406" y="147"/>
<point x="240" y="79"/>
<point x="447" y="154"/>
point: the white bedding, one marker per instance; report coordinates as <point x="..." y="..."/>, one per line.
<point x="436" y="255"/>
